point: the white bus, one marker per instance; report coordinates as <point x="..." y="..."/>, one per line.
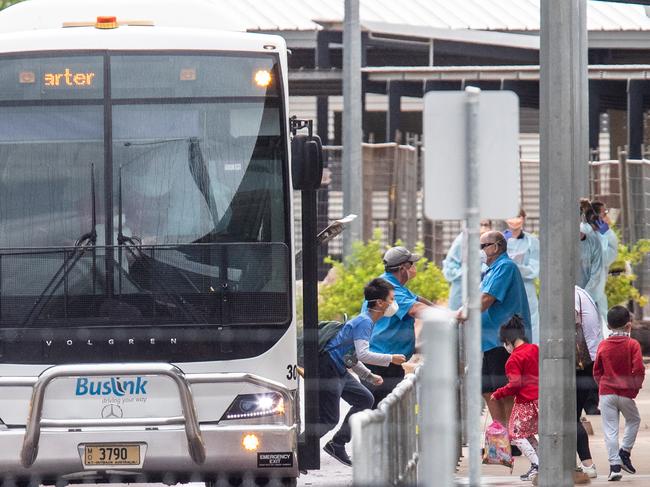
<point x="147" y="319"/>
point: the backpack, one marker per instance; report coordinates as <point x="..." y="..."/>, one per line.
<point x="326" y="331"/>
<point x="583" y="358"/>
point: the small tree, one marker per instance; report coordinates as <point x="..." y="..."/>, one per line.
<point x="345" y="293"/>
<point x="620" y="287"/>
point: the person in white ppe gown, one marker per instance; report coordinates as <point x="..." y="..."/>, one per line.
<point x="609" y="241"/>
<point x="523" y="249"/>
<point x="590" y="277"/>
<point x="452" y="267"/>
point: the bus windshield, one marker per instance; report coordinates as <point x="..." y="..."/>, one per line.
<point x="142" y="189"/>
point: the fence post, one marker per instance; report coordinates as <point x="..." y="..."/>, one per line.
<point x="369" y="183"/>
<point x="368" y="448"/>
<point x="626" y="200"/>
<point x="439" y="392"/>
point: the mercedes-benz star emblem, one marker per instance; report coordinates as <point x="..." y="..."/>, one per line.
<point x="112" y="411"/>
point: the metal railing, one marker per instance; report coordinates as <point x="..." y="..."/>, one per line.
<point x="385" y="441"/>
<point x="420" y="415"/>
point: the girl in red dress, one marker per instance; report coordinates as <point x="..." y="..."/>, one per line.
<point x="522" y="369"/>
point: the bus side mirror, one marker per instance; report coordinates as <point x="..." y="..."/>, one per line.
<point x="306" y="162"/>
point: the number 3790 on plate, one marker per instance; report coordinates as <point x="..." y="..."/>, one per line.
<point x="112" y="454"/>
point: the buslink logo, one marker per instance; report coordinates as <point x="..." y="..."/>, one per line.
<point x="112" y="387"/>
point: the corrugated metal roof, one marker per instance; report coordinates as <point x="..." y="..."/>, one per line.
<point x="503" y="15"/>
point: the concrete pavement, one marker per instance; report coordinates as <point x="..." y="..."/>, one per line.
<point x="495" y="475"/>
<point x="332" y="472"/>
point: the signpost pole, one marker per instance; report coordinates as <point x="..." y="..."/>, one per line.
<point x="473" y="344"/>
<point x="472" y="138"/>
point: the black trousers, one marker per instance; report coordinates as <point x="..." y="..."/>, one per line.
<point x="333" y="388"/>
<point x="585" y="386"/>
<point x="392" y="375"/>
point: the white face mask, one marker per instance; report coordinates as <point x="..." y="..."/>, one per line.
<point x="391" y="310"/>
<point x="483" y="257"/>
<point x="508" y="346"/>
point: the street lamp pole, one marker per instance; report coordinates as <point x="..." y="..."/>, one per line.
<point x="352" y="129"/>
<point x="563" y="176"/>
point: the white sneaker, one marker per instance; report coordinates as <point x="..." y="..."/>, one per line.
<point x="590" y="471"/>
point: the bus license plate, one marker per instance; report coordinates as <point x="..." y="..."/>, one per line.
<point x="112" y="454"/>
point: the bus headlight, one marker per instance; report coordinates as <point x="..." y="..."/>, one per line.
<point x="255" y="405"/>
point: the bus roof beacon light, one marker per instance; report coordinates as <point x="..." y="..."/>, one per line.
<point x="106" y="22"/>
<point x="263" y="78"/>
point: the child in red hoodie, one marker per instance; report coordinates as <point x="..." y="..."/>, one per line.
<point x="522" y="369"/>
<point x="619" y="371"/>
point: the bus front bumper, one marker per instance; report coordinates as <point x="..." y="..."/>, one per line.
<point x="164" y="452"/>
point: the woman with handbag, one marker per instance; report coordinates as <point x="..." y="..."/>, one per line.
<point x="588" y="337"/>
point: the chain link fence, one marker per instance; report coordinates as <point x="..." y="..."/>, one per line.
<point x="393" y="200"/>
<point x="624" y="186"/>
<point x="392" y="196"/>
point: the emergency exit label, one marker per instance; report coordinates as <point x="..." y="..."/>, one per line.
<point x="275" y="460"/>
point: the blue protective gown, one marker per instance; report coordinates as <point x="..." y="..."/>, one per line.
<point x="525" y="253"/>
<point x="452" y="269"/>
<point x="591" y="277"/>
<point x="609" y="242"/>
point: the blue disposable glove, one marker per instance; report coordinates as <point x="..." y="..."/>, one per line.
<point x="602" y="226"/>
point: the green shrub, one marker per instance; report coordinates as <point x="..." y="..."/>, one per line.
<point x="345" y="293"/>
<point x="620" y="283"/>
<point x="7" y="3"/>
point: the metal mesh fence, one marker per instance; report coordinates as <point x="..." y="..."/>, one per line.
<point x="439" y="235"/>
<point x="393" y="200"/>
<point x="392" y="195"/>
<point x="624" y="185"/>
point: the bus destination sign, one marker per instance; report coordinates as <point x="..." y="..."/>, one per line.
<point x="68" y="78"/>
<point x="65" y="78"/>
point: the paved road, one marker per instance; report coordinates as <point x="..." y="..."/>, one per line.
<point x="332" y="473"/>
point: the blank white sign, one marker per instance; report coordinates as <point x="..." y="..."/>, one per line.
<point x="445" y="155"/>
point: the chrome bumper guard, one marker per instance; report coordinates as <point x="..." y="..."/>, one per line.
<point x="195" y="444"/>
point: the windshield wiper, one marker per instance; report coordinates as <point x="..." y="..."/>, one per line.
<point x="201" y="175"/>
<point x="83" y="243"/>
